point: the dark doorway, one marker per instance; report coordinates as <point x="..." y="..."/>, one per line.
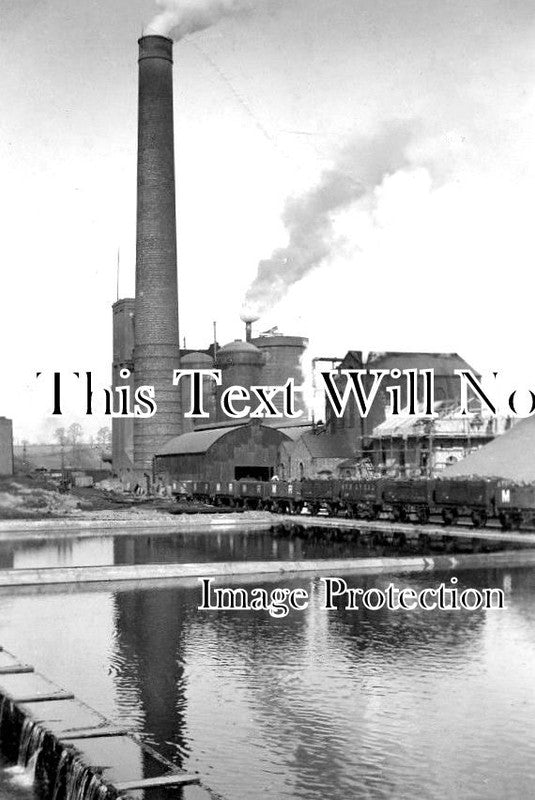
<point x="253" y="473"/>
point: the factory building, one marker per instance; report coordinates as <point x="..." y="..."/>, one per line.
<point x="6" y="446"/>
<point x="241" y="362"/>
<point x="418" y="446"/>
<point x="352" y="446"/>
<point x="314" y="454"/>
<point x="358" y="430"/>
<point x="221" y="453"/>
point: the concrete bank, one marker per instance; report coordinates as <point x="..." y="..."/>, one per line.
<point x="71" y="751"/>
<point x="130" y="525"/>
<point x="433" y="531"/>
<point x="222" y="570"/>
<point x="19" y="530"/>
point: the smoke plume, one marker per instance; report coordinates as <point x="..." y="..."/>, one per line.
<point x="309" y="219"/>
<point x="180" y="17"/>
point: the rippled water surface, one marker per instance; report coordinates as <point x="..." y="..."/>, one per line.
<point x="319" y="704"/>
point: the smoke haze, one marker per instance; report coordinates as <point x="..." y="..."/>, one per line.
<point x="180" y="17"/>
<point x="360" y="168"/>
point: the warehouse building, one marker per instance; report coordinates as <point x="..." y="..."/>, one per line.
<point x="222" y="452"/>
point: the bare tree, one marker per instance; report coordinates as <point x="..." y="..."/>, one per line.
<point x="60" y="435"/>
<point x="75" y="432"/>
<point x="103" y="441"/>
<point x="103" y="438"/>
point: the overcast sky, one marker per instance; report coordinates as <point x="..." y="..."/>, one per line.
<point x="438" y="256"/>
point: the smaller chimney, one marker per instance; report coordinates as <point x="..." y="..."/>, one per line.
<point x="248" y="319"/>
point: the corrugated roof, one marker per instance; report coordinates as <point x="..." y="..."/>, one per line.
<point x="194" y="442"/>
<point x="200" y="441"/>
<point x="325" y="445"/>
<point x="226" y="423"/>
<point x="293" y="432"/>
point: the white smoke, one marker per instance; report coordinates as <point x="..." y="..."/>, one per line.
<point x="309" y="219"/>
<point x="180" y="17"/>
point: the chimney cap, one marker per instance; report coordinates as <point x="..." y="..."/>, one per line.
<point x="155" y="46"/>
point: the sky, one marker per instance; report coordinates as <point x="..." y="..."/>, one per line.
<point x="435" y="254"/>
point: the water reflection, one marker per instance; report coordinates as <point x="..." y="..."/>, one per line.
<point x="318" y="704"/>
<point x="148" y="666"/>
<point x="180" y="548"/>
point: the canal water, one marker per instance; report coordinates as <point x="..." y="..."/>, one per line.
<point x="179" y="548"/>
<point x="338" y="704"/>
<point x="197" y="547"/>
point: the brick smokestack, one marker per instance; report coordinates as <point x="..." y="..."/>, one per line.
<point x="156" y="342"/>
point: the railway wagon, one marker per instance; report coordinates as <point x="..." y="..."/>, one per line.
<point x="403" y="498"/>
<point x="201" y="490"/>
<point x="515" y="504"/>
<point x="474" y="498"/>
<point x="224" y="493"/>
<point x="192" y="490"/>
<point x="249" y="493"/>
<point x="182" y="489"/>
<point x="360" y="498"/>
<point x="321" y="493"/>
<point x="283" y="497"/>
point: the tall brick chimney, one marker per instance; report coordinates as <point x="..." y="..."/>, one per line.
<point x="156" y="341"/>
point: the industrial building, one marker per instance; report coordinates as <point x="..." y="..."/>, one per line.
<point x="315" y="453"/>
<point x="228" y="452"/>
<point x="268" y="360"/>
<point x="146" y="351"/>
<point x="6" y="446"/>
<point x="353" y="446"/>
<point x="359" y="429"/>
<point x="418" y="446"/>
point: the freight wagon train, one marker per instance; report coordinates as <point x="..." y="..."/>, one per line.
<point x="401" y="500"/>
